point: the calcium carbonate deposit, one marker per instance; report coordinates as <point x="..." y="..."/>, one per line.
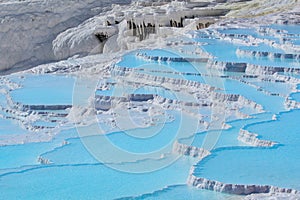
<point x="161" y="99"/>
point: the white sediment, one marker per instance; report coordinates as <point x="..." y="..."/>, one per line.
<point x="187" y="150"/>
<point x="238" y="189"/>
<point x="60" y="33"/>
<point x="251" y="139"/>
<point x="29" y="27"/>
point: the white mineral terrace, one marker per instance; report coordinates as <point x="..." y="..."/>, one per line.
<point x="132" y="66"/>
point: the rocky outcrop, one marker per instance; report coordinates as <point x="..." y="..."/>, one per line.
<point x="257" y="69"/>
<point x="229" y="98"/>
<point x="173" y="17"/>
<point x="237" y="189"/>
<point x="283" y="79"/>
<point x="171" y="59"/>
<point x="141" y="97"/>
<point x="192" y="151"/>
<point x="124" y="26"/>
<point x="148" y="3"/>
<point x="291" y="104"/>
<point x="105" y="103"/>
<point x="135" y="76"/>
<point x="273" y="196"/>
<point x="251" y="139"/>
<point x="46" y="107"/>
<point x="29" y="27"/>
<point x="92" y="41"/>
<point x="249" y="68"/>
<point x="44" y="161"/>
<point x="225" y="97"/>
<point x="271" y="55"/>
<point x="31" y="118"/>
<point x="203" y="94"/>
<point x="227" y="66"/>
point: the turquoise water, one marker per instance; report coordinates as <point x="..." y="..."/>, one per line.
<point x="10" y="127"/>
<point x="45" y="89"/>
<point x="44" y="124"/>
<point x="15" y="156"/>
<point x="72" y="160"/>
<point x="179" y="192"/>
<point x="231" y="161"/>
<point x="23" y="155"/>
<point x="272" y="166"/>
<point x="274" y="88"/>
<point x="226" y="51"/>
<point x="75" y="171"/>
<point x="164" y="137"/>
<point x="75" y="150"/>
<point x="247" y="32"/>
<point x="269" y="103"/>
<point x="228" y="137"/>
<point x="291" y="29"/>
<point x="169" y="68"/>
<point x="262" y="48"/>
<point x="2" y="100"/>
<point x="88" y="181"/>
<point x="296" y="96"/>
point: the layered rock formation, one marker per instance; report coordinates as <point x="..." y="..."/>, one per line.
<point x="28" y="28"/>
<point x="171" y="59"/>
<point x="251" y="139"/>
<point x="238" y="189"/>
<point x="249" y="68"/>
<point x="186" y="150"/>
<point x="271" y="55"/>
<point x="124" y="27"/>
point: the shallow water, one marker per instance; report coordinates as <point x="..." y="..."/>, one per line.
<point x="10" y="127"/>
<point x="179" y="192"/>
<point x="88" y="181"/>
<point x="271" y="166"/>
<point x="75" y="172"/>
<point x="45" y="89"/>
<point x="296" y="96"/>
<point x="226" y="50"/>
